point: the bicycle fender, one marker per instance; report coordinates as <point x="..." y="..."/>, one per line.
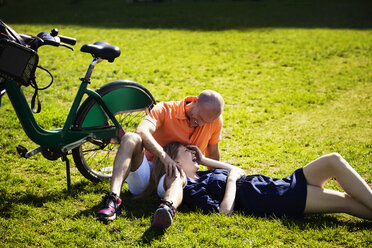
<point x="119" y="96"/>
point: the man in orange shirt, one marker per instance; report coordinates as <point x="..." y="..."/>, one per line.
<point x="192" y="121"/>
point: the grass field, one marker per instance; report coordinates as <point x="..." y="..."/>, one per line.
<point x="296" y="78"/>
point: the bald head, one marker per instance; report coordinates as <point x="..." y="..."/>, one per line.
<point x="212" y="102"/>
<point x="206" y="108"/>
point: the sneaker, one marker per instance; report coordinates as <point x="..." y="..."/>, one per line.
<point x="109" y="207"/>
<point x="163" y="216"/>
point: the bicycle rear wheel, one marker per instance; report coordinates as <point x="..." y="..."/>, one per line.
<point x="129" y="102"/>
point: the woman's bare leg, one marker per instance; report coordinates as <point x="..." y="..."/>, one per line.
<point x="318" y="172"/>
<point x="174" y="190"/>
<point x="321" y="200"/>
<point x="128" y="158"/>
<point x="163" y="216"/>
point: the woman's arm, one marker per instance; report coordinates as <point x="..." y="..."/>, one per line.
<point x="211" y="162"/>
<point x="217" y="164"/>
<point x="228" y="202"/>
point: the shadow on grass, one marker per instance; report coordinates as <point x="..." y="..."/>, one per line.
<point x="319" y="221"/>
<point x="133" y="209"/>
<point x="150" y="235"/>
<point x="130" y="208"/>
<point x="309" y="221"/>
<point x="192" y="15"/>
<point x="35" y="198"/>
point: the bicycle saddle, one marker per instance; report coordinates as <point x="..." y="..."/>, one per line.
<point x="102" y="49"/>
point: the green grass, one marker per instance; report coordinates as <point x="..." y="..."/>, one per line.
<point x="297" y="82"/>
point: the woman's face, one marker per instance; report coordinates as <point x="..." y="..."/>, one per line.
<point x="187" y="160"/>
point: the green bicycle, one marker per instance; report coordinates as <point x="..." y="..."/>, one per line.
<point x="92" y="128"/>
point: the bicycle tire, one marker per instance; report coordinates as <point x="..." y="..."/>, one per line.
<point x="95" y="163"/>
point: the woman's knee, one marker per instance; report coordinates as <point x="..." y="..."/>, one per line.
<point x="337" y="165"/>
<point x="169" y="181"/>
<point x="335" y="156"/>
<point x="337" y="161"/>
<point x="332" y="160"/>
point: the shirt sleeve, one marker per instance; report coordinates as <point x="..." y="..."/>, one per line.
<point x="198" y="198"/>
<point x="216" y="135"/>
<point x="156" y="115"/>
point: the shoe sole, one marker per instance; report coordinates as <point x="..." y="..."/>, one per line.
<point x="103" y="217"/>
<point x="162" y="219"/>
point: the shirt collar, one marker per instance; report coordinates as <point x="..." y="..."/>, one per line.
<point x="181" y="113"/>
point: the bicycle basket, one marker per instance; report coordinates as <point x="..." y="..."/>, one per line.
<point x="17" y="62"/>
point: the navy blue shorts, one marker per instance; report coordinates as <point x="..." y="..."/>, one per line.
<point x="262" y="195"/>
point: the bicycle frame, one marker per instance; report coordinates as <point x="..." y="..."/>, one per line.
<point x="91" y="121"/>
<point x="66" y="138"/>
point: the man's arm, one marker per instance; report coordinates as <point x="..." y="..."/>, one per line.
<point x="213" y="152"/>
<point x="146" y="129"/>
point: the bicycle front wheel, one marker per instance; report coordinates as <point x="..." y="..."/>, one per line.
<point x="129" y="102"/>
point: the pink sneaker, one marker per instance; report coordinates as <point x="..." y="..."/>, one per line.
<point x="109" y="207"/>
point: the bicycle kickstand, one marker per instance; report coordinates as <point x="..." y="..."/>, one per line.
<point x="64" y="158"/>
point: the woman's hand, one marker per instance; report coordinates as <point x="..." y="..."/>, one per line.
<point x="199" y="155"/>
<point x="236" y="173"/>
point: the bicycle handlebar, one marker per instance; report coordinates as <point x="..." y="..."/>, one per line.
<point x="67" y="40"/>
<point x="54" y="39"/>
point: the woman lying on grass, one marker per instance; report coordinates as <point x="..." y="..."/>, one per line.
<point x="227" y="189"/>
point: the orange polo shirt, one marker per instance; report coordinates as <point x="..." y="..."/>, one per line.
<point x="172" y="125"/>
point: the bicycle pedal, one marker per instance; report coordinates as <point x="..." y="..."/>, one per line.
<point x="22" y="151"/>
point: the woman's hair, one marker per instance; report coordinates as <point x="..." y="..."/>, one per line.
<point x="158" y="169"/>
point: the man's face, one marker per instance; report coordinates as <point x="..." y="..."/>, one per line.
<point x="201" y="114"/>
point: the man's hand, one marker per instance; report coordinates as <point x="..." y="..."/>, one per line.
<point x="179" y="174"/>
<point x="146" y="129"/>
<point x="171" y="167"/>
